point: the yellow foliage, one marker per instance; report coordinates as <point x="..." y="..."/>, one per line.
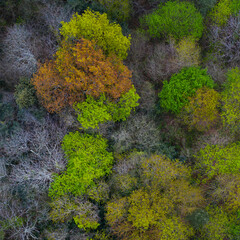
<point x="202" y="110"/>
<point x="221" y="12"/>
<point x="161" y="171"/>
<point x="95" y="26"/>
<point x="228" y="192"/>
<point x="188" y="52"/>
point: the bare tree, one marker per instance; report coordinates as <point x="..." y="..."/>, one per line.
<point x="18" y="59"/>
<point x="53" y="14"/>
<point x="226" y="41"/>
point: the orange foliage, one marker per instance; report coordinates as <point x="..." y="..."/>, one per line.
<point x="78" y="70"/>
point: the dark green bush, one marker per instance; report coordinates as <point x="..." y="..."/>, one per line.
<point x="198" y="218"/>
<point x="25" y="94"/>
<point x="204" y="6"/>
<point x="175" y="93"/>
<point x="176" y="19"/>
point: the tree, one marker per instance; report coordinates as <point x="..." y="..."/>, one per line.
<point x="223" y="10"/>
<point x="79" y="70"/>
<point x="175" y="93"/>
<point x="217" y="227"/>
<point x="92" y="112"/>
<point x="215" y="160"/>
<point x="88" y="160"/>
<point x="204" y="6"/>
<point x="84" y="213"/>
<point x="95" y="26"/>
<point x="231" y="100"/>
<point x="202" y="111"/>
<point x="161" y="197"/>
<point x="117" y="9"/>
<point x="188" y="52"/>
<point x="224" y="43"/>
<point x="176" y="19"/>
<point x="25" y="94"/>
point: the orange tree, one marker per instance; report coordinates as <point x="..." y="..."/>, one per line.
<point x="80" y="69"/>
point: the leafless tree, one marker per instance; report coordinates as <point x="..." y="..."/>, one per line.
<point x="43" y="154"/>
<point x="18" y="59"/>
<point x="53" y="14"/>
<point x="226" y="41"/>
<point x="137" y="132"/>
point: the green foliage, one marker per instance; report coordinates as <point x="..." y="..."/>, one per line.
<point x="25" y="94"/>
<point x="218" y="225"/>
<point x="126" y="103"/>
<point x="88" y="160"/>
<point x="202" y="112"/>
<point x="91" y="112"/>
<point x="175" y="93"/>
<point x="214" y="160"/>
<point x="235" y="7"/>
<point x="234" y="226"/>
<point x="95" y="26"/>
<point x="161" y="197"/>
<point x="198" y="218"/>
<point x="223" y="10"/>
<point x="117" y="9"/>
<point x="231" y="100"/>
<point x="82" y="212"/>
<point x="176" y="19"/>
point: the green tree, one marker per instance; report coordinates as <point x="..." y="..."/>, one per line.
<point x="92" y="112"/>
<point x="84" y="213"/>
<point x="156" y="207"/>
<point x="231" y="100"/>
<point x="223" y="10"/>
<point x="95" y="26"/>
<point x="175" y="93"/>
<point x="202" y="111"/>
<point x="217" y="227"/>
<point x="88" y="160"/>
<point x="176" y="19"/>
<point x="214" y="160"/>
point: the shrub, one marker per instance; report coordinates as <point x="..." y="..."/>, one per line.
<point x="198" y="218"/>
<point x="25" y="94"/>
<point x="175" y="93"/>
<point x="202" y="110"/>
<point x="176" y="19"/>
<point x="117" y="9"/>
<point x="231" y="100"/>
<point x="88" y="160"/>
<point x="204" y="6"/>
<point x="95" y="26"/>
<point x="79" y="70"/>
